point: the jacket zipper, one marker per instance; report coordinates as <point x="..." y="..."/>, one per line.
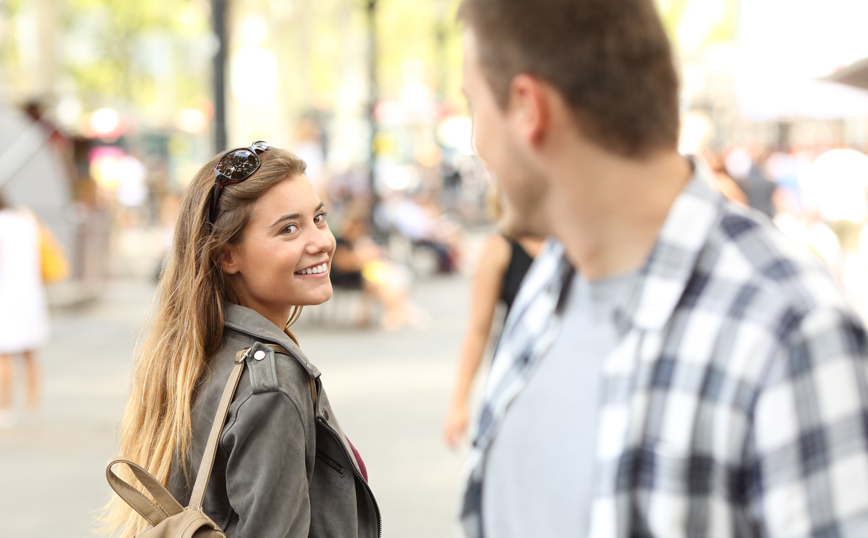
<point x="358" y="474"/>
<point x="330" y="461"/>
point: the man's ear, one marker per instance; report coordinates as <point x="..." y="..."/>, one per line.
<point x="529" y="107"/>
<point x="229" y="259"/>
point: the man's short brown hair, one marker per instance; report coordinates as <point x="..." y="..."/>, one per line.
<point x="610" y="59"/>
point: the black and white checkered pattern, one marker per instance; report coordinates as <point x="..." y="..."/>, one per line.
<point x="736" y="401"/>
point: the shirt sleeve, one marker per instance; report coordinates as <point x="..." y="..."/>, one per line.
<point x="809" y="448"/>
<point x="266" y="477"/>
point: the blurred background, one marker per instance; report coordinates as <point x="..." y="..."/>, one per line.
<point x="108" y="107"/>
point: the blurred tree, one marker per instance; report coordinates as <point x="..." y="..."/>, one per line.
<point x="147" y="53"/>
<point x="696" y="24"/>
<point x="323" y="45"/>
<point x="411" y="32"/>
<point x="153" y="57"/>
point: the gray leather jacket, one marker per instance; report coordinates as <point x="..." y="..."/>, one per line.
<point x="283" y="468"/>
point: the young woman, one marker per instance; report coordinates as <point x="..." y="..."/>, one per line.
<point x="251" y="247"/>
<point x="23" y="309"/>
<point x="501" y="269"/>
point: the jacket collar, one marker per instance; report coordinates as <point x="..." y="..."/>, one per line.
<point x="252" y="323"/>
<point x="668" y="269"/>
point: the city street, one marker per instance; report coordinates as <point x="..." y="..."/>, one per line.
<point x="389" y="388"/>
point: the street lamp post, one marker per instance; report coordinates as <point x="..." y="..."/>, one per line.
<point x="218" y="13"/>
<point x="440" y="50"/>
<point x="373" y="90"/>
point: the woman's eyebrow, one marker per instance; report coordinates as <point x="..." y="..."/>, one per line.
<point x="296" y="215"/>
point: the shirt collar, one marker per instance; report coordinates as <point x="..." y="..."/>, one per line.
<point x="252" y="323"/>
<point x="663" y="278"/>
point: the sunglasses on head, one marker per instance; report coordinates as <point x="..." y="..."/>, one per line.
<point x="235" y="166"/>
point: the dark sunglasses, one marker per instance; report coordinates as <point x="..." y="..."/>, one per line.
<point x="235" y="166"/>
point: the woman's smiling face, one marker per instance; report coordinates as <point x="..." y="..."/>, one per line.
<point x="284" y="256"/>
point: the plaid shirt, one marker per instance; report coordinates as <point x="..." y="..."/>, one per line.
<point x="736" y="400"/>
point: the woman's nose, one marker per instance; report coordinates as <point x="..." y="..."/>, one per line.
<point x="320" y="241"/>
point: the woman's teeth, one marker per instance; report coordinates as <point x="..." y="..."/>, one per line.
<point x="314" y="270"/>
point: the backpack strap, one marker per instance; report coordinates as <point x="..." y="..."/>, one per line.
<point x="153" y="512"/>
<point x="207" y="463"/>
<point x="165" y="504"/>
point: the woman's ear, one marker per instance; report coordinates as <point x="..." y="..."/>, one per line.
<point x="229" y="259"/>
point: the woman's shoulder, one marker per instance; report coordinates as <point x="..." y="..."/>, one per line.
<point x="270" y="366"/>
<point x="272" y="403"/>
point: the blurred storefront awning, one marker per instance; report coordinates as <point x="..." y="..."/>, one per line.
<point x="786" y="49"/>
<point x="855" y="74"/>
<point x="764" y="99"/>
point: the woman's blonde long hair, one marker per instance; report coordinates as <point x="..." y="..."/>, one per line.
<point x="186" y="327"/>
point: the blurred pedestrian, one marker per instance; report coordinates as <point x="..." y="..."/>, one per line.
<point x="359" y="263"/>
<point x="251" y="247"/>
<point x="23" y="308"/>
<point x="501" y="269"/>
<point x="424" y="224"/>
<point x="499" y="273"/>
<point x="746" y="169"/>
<point x="699" y="376"/>
<point x="722" y="180"/>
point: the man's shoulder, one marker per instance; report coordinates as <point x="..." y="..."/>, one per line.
<point x="747" y="255"/>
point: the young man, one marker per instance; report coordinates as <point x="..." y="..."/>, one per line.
<point x="700" y="376"/>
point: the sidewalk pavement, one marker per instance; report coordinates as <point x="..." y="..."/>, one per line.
<point x="389" y="389"/>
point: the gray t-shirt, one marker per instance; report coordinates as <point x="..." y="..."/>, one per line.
<point x="540" y="465"/>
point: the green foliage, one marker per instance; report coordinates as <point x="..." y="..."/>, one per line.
<point x="726" y="28"/>
<point x="672" y="13"/>
<point x="323" y="46"/>
<point x="11" y="7"/>
<point x="108" y="48"/>
<point x="408" y="31"/>
<point x="115" y="72"/>
<point x="131" y="18"/>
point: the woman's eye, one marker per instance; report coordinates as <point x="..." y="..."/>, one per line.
<point x="289" y="229"/>
<point x="319" y="219"/>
